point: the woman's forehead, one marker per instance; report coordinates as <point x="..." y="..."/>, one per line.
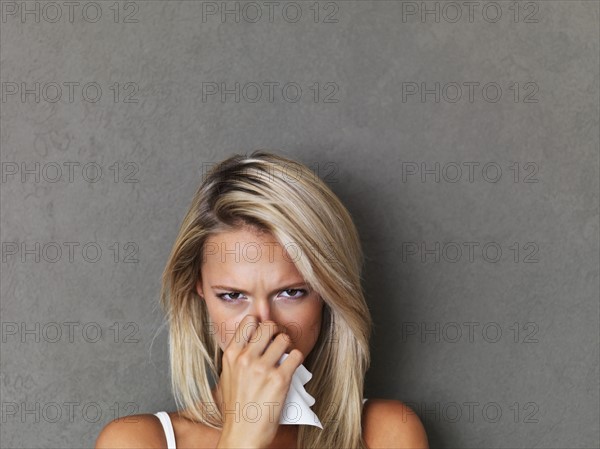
<point x="243" y="250"/>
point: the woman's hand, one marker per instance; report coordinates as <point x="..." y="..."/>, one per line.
<point x="253" y="389"/>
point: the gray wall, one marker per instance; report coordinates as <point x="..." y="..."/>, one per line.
<point x="494" y="348"/>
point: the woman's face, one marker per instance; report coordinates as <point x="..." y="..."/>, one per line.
<point x="246" y="273"/>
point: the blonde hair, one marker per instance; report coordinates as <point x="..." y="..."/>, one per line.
<point x="272" y="193"/>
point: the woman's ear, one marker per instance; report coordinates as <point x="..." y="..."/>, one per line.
<point x="199" y="288"/>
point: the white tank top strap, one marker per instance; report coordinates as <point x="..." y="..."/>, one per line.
<point x="364" y="400"/>
<point x="165" y="420"/>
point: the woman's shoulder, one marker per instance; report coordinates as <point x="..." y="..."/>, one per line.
<point x="134" y="431"/>
<point x="389" y="423"/>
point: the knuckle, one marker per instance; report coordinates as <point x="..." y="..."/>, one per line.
<point x="244" y="359"/>
<point x="261" y="369"/>
<point x="228" y="355"/>
<point x="278" y="379"/>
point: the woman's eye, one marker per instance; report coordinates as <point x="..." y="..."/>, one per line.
<point x="231" y="296"/>
<point x="295" y="294"/>
<point x="222" y="297"/>
<point x="302" y="293"/>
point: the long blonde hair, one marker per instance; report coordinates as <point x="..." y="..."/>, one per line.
<point x="272" y="193"/>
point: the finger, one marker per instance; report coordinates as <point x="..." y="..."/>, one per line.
<point x="262" y="337"/>
<point x="292" y="362"/>
<point x="243" y="333"/>
<point x="277" y="348"/>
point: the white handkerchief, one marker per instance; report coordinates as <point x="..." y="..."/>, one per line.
<point x="296" y="409"/>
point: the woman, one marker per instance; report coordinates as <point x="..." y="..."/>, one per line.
<point x="267" y="262"/>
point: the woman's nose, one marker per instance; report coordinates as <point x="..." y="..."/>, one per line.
<point x="261" y="309"/>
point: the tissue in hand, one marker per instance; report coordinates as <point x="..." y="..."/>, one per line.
<point x="296" y="409"/>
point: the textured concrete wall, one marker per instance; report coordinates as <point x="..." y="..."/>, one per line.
<point x="464" y="141"/>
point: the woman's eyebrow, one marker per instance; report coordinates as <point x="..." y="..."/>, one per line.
<point x="234" y="289"/>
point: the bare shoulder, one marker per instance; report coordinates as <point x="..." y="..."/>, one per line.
<point x="389" y="423"/>
<point x="132" y="432"/>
